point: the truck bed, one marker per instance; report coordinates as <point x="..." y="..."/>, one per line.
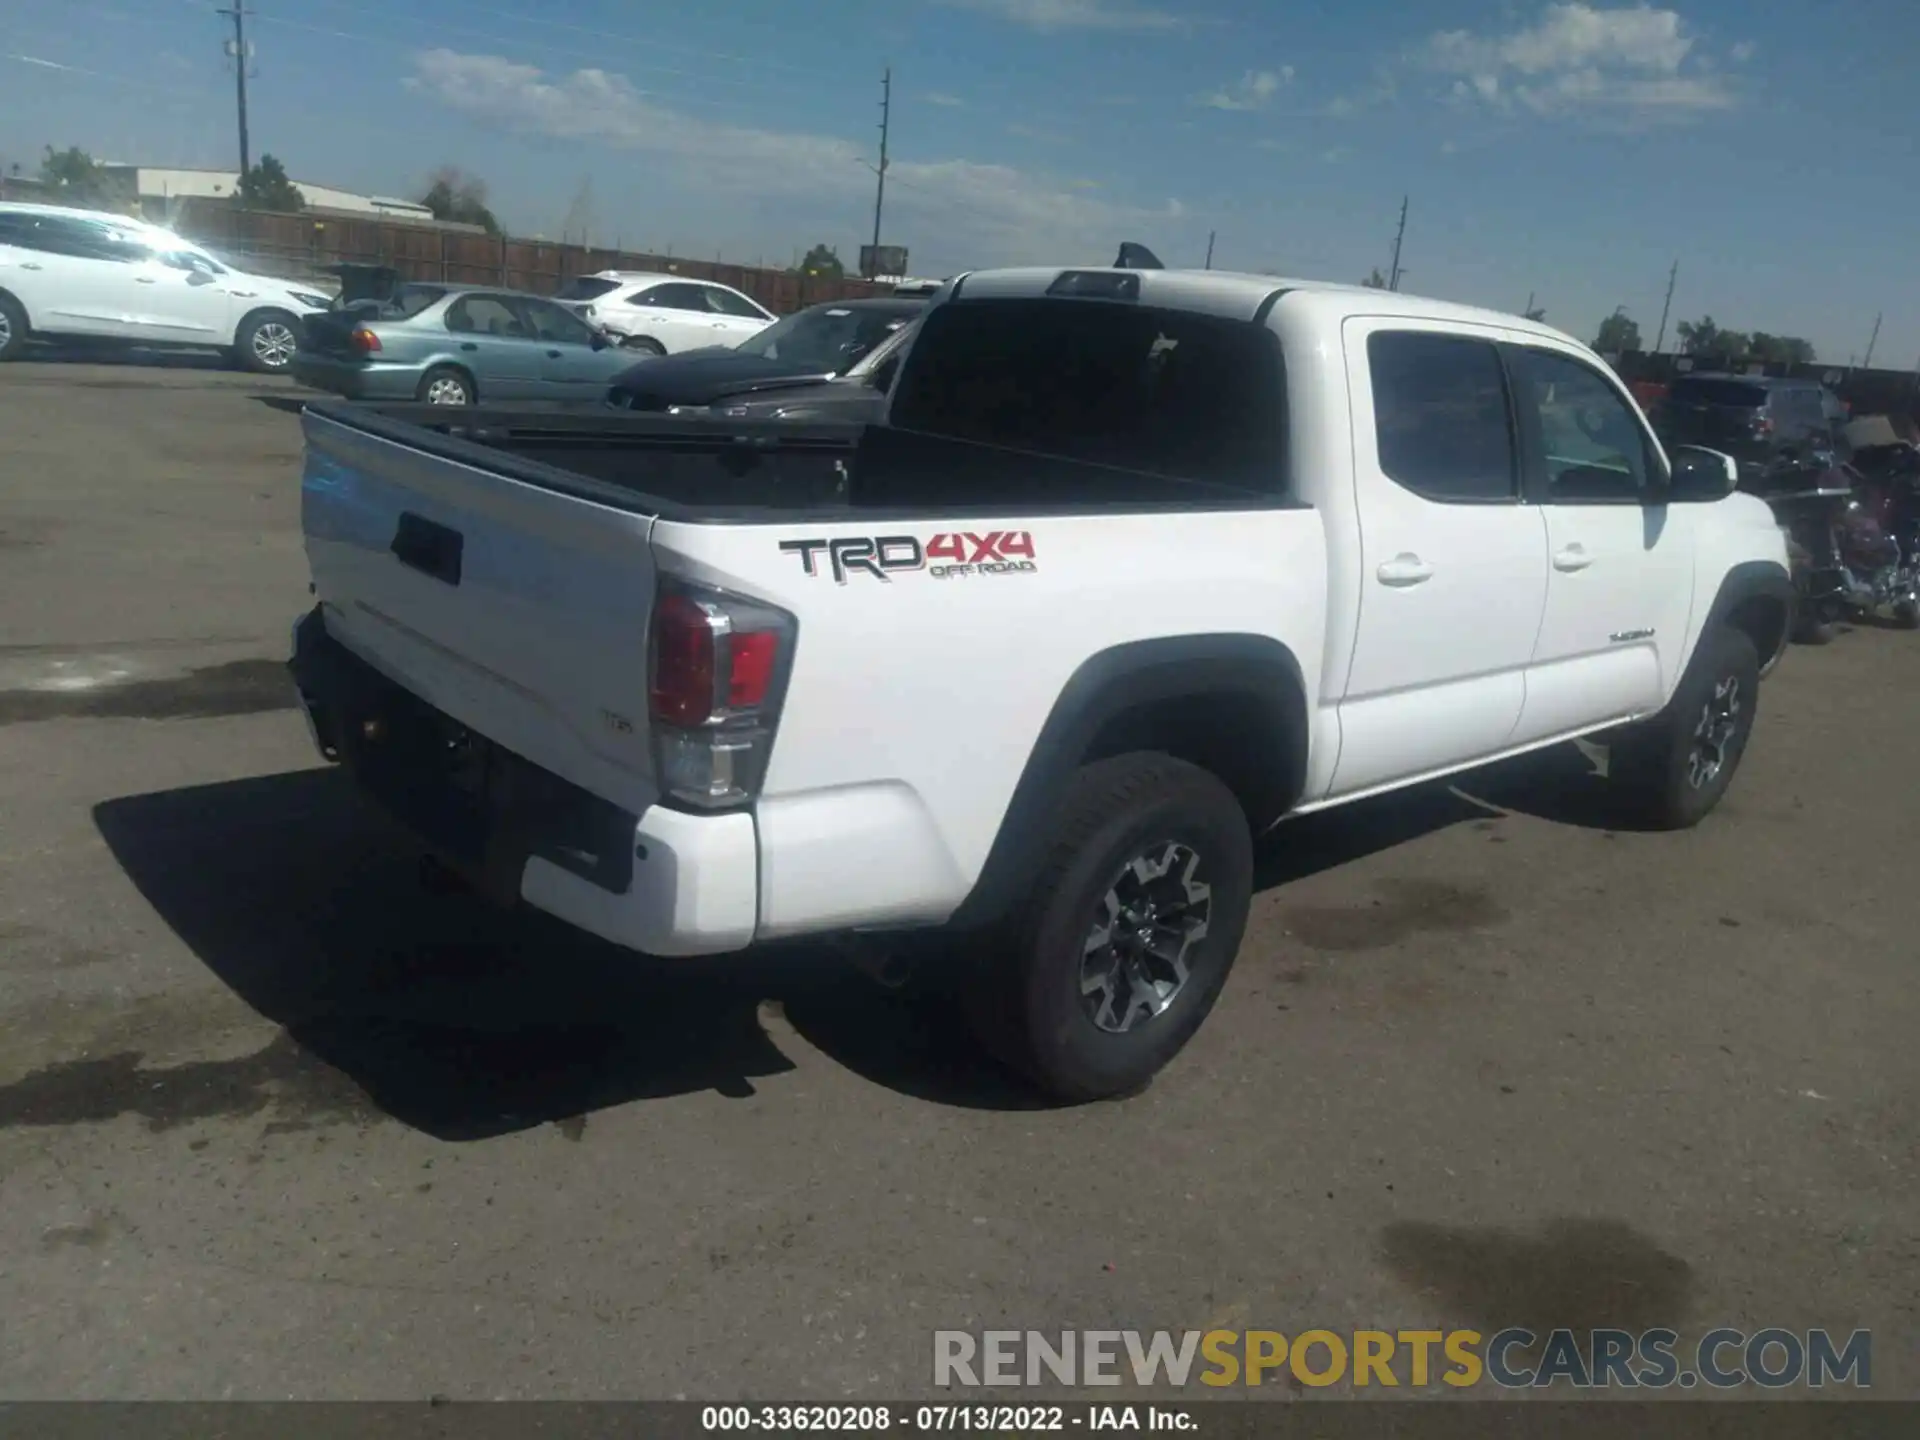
<point x="696" y="468"/>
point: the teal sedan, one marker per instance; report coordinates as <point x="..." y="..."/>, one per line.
<point x="457" y="345"/>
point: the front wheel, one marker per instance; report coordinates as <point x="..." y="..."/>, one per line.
<point x="1127" y="932"/>
<point x="266" y="343"/>
<point x="643" y="345"/>
<point x="1678" y="767"/>
<point x="444" y="385"/>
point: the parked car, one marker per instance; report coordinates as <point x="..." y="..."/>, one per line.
<point x="1150" y="561"/>
<point x="1757" y="419"/>
<point x="458" y="345"/>
<point x="101" y="278"/>
<point x="664" y="314"/>
<point x="809" y="346"/>
<point x="858" y="397"/>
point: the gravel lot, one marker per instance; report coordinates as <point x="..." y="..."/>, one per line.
<point x="276" y="1122"/>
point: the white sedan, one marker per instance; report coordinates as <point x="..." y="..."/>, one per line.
<point x="664" y="314"/>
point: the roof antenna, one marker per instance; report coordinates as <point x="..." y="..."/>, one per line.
<point x="1136" y="257"/>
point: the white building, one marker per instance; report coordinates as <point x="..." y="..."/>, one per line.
<point x="157" y="186"/>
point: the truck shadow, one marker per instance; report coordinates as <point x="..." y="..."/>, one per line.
<point x="467" y="1023"/>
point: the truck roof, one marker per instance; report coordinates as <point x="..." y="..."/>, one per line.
<point x="1234" y="295"/>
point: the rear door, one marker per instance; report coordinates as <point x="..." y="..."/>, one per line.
<point x="81" y="278"/>
<point x="493" y="341"/>
<point x="503" y="603"/>
<point x="674" y="313"/>
<point x="1454" y="561"/>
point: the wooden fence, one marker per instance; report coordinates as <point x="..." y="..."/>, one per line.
<point x="305" y="243"/>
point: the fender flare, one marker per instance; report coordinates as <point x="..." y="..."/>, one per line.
<point x="1253" y="671"/>
<point x="1764" y="581"/>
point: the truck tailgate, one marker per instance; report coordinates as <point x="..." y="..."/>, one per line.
<point x="494" y="599"/>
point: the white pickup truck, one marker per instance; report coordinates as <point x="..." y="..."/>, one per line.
<point x="1142" y="563"/>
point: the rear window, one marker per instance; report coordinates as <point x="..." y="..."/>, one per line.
<point x="409" y="300"/>
<point x="587" y="287"/>
<point x="1718" y="392"/>
<point x="1188" y="397"/>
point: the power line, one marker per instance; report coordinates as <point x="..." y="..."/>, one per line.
<point x="237" y="47"/>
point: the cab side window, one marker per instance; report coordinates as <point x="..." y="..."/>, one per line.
<point x="1441" y="419"/>
<point x="1594" y="448"/>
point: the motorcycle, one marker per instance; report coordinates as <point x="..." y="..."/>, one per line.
<point x="1853" y="539"/>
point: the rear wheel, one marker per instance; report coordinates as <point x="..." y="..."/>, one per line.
<point x="1678" y="767"/>
<point x="267" y="342"/>
<point x="445" y="385"/>
<point x="13" y="328"/>
<point x="1127" y="932"/>
<point x="643" y="345"/>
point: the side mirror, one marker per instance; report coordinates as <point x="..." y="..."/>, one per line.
<point x="199" y="277"/>
<point x="601" y="340"/>
<point x="1701" y="474"/>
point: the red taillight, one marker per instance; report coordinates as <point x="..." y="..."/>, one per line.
<point x="364" y="340"/>
<point x="1762" y="425"/>
<point x="682" y="691"/>
<point x="711" y="693"/>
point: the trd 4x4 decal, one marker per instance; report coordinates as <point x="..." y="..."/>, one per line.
<point x="945" y="557"/>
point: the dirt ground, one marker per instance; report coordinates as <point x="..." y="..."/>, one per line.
<point x="277" y="1122"/>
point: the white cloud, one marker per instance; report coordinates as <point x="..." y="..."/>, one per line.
<point x="980" y="213"/>
<point x="1580" y="58"/>
<point x="1743" y="52"/>
<point x="1051" y="15"/>
<point x="940" y="97"/>
<point x="1252" y="91"/>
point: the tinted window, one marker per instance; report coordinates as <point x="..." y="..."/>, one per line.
<point x="81" y="239"/>
<point x="1440" y="415"/>
<point x="1717" y="392"/>
<point x="1594" y="447"/>
<point x="673" y="297"/>
<point x="1185" y="396"/>
<point x="587" y="287"/>
<point x="553" y="324"/>
<point x="725" y="302"/>
<point x="484" y="315"/>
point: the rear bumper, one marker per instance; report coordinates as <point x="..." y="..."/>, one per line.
<point x="354" y="379"/>
<point x="662" y="882"/>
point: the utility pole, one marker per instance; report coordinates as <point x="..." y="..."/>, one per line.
<point x="1867" y="364"/>
<point x="237" y="47"/>
<point x="1209" y="264"/>
<point x="1667" y="308"/>
<point x="880" y="189"/>
<point x="1528" y="312"/>
<point x="1393" y="280"/>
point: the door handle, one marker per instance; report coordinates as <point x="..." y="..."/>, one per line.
<point x="1405" y="569"/>
<point x="143" y="279"/>
<point x="1574" y="557"/>
<point x="553" y="355"/>
<point x="29" y="265"/>
<point x="469" y="345"/>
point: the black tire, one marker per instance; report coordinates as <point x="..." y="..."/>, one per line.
<point x="1906" y="614"/>
<point x="265" y="342"/>
<point x="1670" y="784"/>
<point x="13" y="328"/>
<point x="1026" y="1001"/>
<point x="441" y="384"/>
<point x="643" y="345"/>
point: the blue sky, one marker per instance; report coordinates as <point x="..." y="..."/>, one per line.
<point x="1568" y="151"/>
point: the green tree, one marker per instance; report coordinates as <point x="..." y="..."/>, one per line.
<point x="1780" y="349"/>
<point x="1618" y="333"/>
<point x="821" y="260"/>
<point x="1698" y="337"/>
<point x="266" y="187"/>
<point x="82" y="180"/>
<point x="459" y="198"/>
<point x="1375" y="281"/>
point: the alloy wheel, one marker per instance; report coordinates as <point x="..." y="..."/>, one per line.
<point x="274" y="345"/>
<point x="1135" y="961"/>
<point x="1713" y="736"/>
<point x="446" y="391"/>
